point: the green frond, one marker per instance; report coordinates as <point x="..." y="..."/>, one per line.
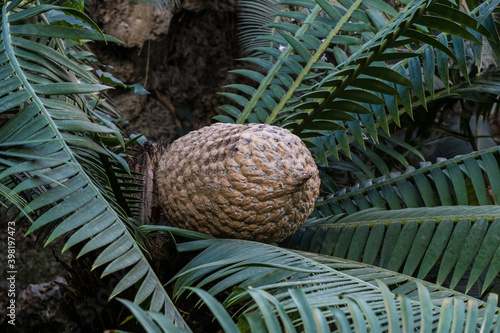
<point x="271" y="316"/>
<point x="53" y="149"/>
<point x="253" y="24"/>
<point x="151" y="321"/>
<point x="464" y="180"/>
<point x="9" y="196"/>
<point x="337" y="68"/>
<point x="306" y="292"/>
<point x="460" y="242"/>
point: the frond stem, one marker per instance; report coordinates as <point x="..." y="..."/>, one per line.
<point x="311" y="62"/>
<point x="272" y="72"/>
<point x="347" y="80"/>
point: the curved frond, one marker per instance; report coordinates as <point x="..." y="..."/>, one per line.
<point x="354" y="67"/>
<point x="152" y="321"/>
<point x="464" y="180"/>
<point x="253" y="18"/>
<point x="52" y="147"/>
<point x="449" y="243"/>
<point x="270" y="315"/>
<point x="300" y="291"/>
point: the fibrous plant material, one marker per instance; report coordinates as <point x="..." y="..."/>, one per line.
<point x="255" y="182"/>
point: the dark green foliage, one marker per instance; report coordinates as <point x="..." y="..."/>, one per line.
<point x="343" y="77"/>
<point x="465" y="180"/>
<point x="62" y="148"/>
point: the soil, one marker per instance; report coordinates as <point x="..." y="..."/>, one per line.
<point x="181" y="56"/>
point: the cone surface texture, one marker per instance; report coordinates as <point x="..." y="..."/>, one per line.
<point x="255" y="182"/>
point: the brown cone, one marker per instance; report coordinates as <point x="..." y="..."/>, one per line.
<point x="255" y="182"/>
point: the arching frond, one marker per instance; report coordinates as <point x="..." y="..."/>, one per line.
<point x="53" y="150"/>
<point x="152" y="321"/>
<point x="456" y="243"/>
<point x="353" y="68"/>
<point x="253" y="18"/>
<point x="464" y="180"/>
<point x="280" y="288"/>
<point x="400" y="314"/>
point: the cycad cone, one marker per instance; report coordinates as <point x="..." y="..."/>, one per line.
<point x="255" y="182"/>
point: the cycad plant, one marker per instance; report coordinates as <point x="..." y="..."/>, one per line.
<point x="61" y="156"/>
<point x="390" y="246"/>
